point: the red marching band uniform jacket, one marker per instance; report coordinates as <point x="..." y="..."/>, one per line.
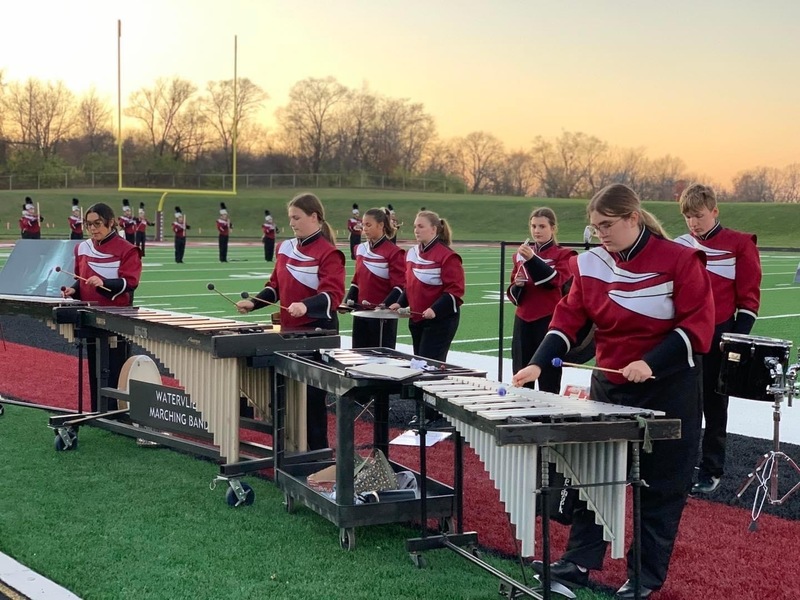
<point x="224" y="226"/>
<point x="179" y="229"/>
<point x="545" y="275"/>
<point x="434" y="279"/>
<point x="656" y="291"/>
<point x="734" y="267"/>
<point x="311" y="271"/>
<point x="113" y="259"/>
<point x="380" y="273"/>
<point x="128" y="224"/>
<point x="29" y="222"/>
<point x="75" y="224"/>
<point x="268" y="229"/>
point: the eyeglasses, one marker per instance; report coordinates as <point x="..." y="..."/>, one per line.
<point x="94" y="224"/>
<point x="603" y="227"/>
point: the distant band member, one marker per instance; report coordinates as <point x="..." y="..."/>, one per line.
<point x="734" y="267"/>
<point x="396" y="224"/>
<point x="141" y="224"/>
<point x="75" y="221"/>
<point x="105" y="260"/>
<point x="179" y="228"/>
<point x="127" y="223"/>
<point x="268" y="230"/>
<point x="355" y="229"/>
<point x="29" y="222"/>
<point x="224" y="227"/>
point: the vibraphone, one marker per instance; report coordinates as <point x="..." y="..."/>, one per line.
<point x="588" y="442"/>
<point x="217" y="361"/>
<point x="356" y="377"/>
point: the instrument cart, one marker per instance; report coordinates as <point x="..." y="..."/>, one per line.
<point x="340" y="373"/>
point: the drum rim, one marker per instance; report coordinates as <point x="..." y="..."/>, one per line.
<point x="765" y="341"/>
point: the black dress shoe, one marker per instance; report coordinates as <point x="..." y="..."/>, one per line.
<point x="564" y="572"/>
<point x="627" y="592"/>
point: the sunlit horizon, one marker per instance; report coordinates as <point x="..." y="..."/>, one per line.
<point x="711" y="83"/>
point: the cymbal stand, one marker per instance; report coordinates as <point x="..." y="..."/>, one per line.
<point x="766" y="470"/>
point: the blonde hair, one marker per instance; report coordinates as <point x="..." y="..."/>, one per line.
<point x="618" y="200"/>
<point x="442" y="228"/>
<point x="546" y="213"/>
<point x="310" y="204"/>
<point x="697" y="197"/>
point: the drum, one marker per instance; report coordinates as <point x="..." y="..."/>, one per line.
<point x="750" y="365"/>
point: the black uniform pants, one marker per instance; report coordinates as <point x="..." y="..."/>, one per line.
<point x="180" y="249"/>
<point x="141" y="238"/>
<point x="367" y="333"/>
<point x="75" y="235"/>
<point x="527" y="337"/>
<point x="223" y="248"/>
<point x="130" y="238"/>
<point x="715" y="408"/>
<point x="431" y="339"/>
<point x="26" y="235"/>
<point x="355" y="240"/>
<point x="269" y="248"/>
<point x="116" y="358"/>
<point x="667" y="470"/>
<point x="316" y="407"/>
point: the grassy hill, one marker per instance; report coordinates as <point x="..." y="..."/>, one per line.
<point x="473" y="218"/>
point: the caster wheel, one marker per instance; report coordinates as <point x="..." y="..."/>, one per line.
<point x="2" y="410"/>
<point x="233" y="500"/>
<point x="288" y="504"/>
<point x="347" y="538"/>
<point x="61" y="445"/>
<point x="475" y="551"/>
<point x="418" y="560"/>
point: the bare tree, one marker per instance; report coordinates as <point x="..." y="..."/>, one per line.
<point x="158" y="109"/>
<point x="479" y="156"/>
<point x="618" y="165"/>
<point x="565" y="165"/>
<point x="353" y="123"/>
<point x="94" y="119"/>
<point x="660" y="178"/>
<point x="40" y="114"/>
<point x="308" y="119"/>
<point x="225" y="118"/>
<point x="516" y="176"/>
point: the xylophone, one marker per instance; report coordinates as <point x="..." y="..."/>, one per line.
<point x="587" y="440"/>
<point x="44" y="308"/>
<point x="216" y="360"/>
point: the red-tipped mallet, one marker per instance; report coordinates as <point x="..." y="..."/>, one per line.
<point x="213" y="288"/>
<point x="60" y="270"/>
<point x="247" y="296"/>
<point x="557" y="362"/>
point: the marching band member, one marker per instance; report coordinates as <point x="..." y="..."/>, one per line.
<point x="268" y="230"/>
<point x="541" y="269"/>
<point x="734" y="268"/>
<point x="224" y="227"/>
<point x="395" y="223"/>
<point x="649" y="299"/>
<point x="127" y="223"/>
<point x="378" y="280"/>
<point x="141" y="224"/>
<point x="434" y="290"/>
<point x="29" y="222"/>
<point x="179" y="228"/>
<point x="308" y="280"/>
<point x="75" y="221"/>
<point x="355" y="229"/>
<point x="105" y="260"/>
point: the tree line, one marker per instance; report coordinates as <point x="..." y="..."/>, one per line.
<point x="173" y="127"/>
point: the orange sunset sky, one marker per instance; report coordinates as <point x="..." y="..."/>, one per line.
<point x="714" y="82"/>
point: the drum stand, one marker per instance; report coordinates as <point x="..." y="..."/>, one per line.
<point x="766" y="470"/>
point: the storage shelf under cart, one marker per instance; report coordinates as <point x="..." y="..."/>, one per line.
<point x="337" y="373"/>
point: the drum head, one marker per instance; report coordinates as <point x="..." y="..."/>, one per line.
<point x="756" y="340"/>
<point x="379" y="313"/>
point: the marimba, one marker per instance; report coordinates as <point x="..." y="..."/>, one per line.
<point x="216" y="360"/>
<point x="44" y="308"/>
<point x="587" y="440"/>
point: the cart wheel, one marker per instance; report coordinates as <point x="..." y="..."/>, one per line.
<point x="232" y="499"/>
<point x="446" y="525"/>
<point x="475" y="551"/>
<point x="288" y="503"/>
<point x="418" y="560"/>
<point x="2" y="410"/>
<point x="60" y="444"/>
<point x="347" y="538"/>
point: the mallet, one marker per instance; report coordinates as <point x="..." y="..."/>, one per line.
<point x="407" y="311"/>
<point x="557" y="362"/>
<point x="213" y="288"/>
<point x="247" y="296"/>
<point x="60" y="270"/>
